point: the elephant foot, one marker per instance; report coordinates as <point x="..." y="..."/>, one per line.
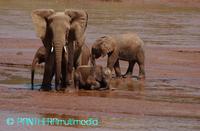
<point x="64" y="85"/>
<point x="127" y="75"/>
<point x="70" y="89"/>
<point x="141" y="77"/>
<point x="61" y="90"/>
<point x="45" y="87"/>
<point x="103" y="89"/>
<point x="117" y="76"/>
<point x="69" y="83"/>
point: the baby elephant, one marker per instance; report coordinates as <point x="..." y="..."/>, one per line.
<point x="40" y="58"/>
<point x="89" y="77"/>
<point x="127" y="47"/>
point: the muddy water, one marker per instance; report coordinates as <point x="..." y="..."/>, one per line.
<point x="111" y="124"/>
<point x="157" y="24"/>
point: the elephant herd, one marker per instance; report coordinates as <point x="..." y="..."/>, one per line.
<point x="67" y="56"/>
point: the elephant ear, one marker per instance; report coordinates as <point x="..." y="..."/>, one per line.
<point x="79" y="16"/>
<point x="39" y="18"/>
<point x="106" y="45"/>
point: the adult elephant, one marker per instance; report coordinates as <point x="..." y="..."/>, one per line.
<point x="127" y="47"/>
<point x="58" y="32"/>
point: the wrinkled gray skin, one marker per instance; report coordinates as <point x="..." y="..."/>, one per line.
<point x="39" y="58"/>
<point x="62" y="34"/>
<point x="127" y="47"/>
<point x="90" y="77"/>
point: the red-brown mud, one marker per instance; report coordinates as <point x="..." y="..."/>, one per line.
<point x="170" y="91"/>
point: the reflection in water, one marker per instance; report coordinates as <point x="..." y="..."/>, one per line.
<point x="159" y="89"/>
<point x="158" y="24"/>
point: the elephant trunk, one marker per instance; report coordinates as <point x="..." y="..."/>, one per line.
<point x="35" y="61"/>
<point x="58" y="60"/>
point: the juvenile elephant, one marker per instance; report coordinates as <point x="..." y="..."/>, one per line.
<point x="92" y="77"/>
<point x="60" y="32"/>
<point x="127" y="47"/>
<point x="39" y="58"/>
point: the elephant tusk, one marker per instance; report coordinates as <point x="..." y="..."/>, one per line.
<point x="65" y="48"/>
<point x="51" y="49"/>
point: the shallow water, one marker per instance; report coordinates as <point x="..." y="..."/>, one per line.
<point x="141" y="123"/>
<point x="156" y="24"/>
<point x="153" y="89"/>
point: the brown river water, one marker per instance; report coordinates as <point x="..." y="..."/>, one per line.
<point x="169" y="98"/>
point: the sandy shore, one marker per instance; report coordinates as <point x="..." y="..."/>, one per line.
<point x="170" y="72"/>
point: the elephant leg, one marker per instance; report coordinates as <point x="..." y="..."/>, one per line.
<point x="77" y="57"/>
<point x="112" y="59"/>
<point x="64" y="69"/>
<point x="141" y="71"/>
<point x="130" y="68"/>
<point x="53" y="73"/>
<point x="85" y="55"/>
<point x="117" y="69"/>
<point x="80" y="40"/>
<point x="76" y="80"/>
<point x="70" y="63"/>
<point x="35" y="61"/>
<point x="48" y="70"/>
<point x="140" y="57"/>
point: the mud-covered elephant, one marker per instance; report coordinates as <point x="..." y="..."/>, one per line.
<point x="92" y="77"/>
<point x="61" y="33"/>
<point x="127" y="47"/>
<point x="39" y="58"/>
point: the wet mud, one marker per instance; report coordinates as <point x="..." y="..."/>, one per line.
<point x="169" y="97"/>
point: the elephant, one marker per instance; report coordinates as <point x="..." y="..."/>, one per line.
<point x="39" y="58"/>
<point x="127" y="47"/>
<point x="92" y="77"/>
<point x="62" y="34"/>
